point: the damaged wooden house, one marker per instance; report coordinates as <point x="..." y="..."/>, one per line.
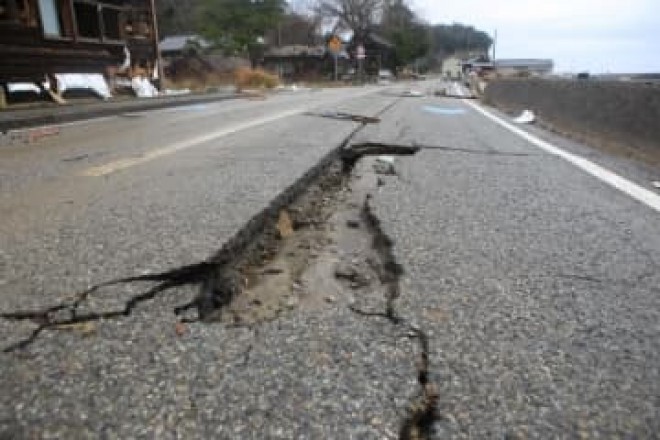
<point x="40" y="39"/>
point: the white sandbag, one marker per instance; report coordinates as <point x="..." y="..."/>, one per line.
<point x="85" y="81"/>
<point x="143" y="88"/>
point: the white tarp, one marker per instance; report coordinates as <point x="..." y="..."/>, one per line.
<point x="143" y="87"/>
<point x="526" y="117"/>
<point x="127" y="60"/>
<point x="24" y="87"/>
<point x="87" y="81"/>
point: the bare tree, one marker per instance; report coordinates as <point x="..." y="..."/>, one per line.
<point x="177" y="16"/>
<point x="360" y="16"/>
<point x="296" y="29"/>
<point x="302" y="7"/>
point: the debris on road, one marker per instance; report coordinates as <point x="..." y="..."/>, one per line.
<point x="83" y="328"/>
<point x="284" y="225"/>
<point x="656" y="184"/>
<point x="412" y="94"/>
<point x="385" y="165"/>
<point x="343" y="116"/>
<point x="456" y="90"/>
<point x="76" y="158"/>
<point x="526" y="117"/>
<point x="348" y="272"/>
<point x="446" y="111"/>
<point x="180" y="328"/>
<point x="355" y="152"/>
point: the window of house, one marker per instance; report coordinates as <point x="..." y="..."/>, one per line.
<point x="4" y="13"/>
<point x="9" y="10"/>
<point x="50" y="18"/>
<point x="87" y="20"/>
<point x="111" y="23"/>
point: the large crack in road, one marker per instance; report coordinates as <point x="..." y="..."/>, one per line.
<point x="261" y="272"/>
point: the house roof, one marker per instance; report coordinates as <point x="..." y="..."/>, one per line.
<point x="525" y="62"/>
<point x="179" y="42"/>
<point x="380" y="40"/>
<point x="481" y="61"/>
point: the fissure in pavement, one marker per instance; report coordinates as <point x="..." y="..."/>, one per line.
<point x="258" y="275"/>
<point x="219" y="277"/>
<point x="222" y="278"/>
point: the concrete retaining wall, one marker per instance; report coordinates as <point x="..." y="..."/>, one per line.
<point x="606" y="113"/>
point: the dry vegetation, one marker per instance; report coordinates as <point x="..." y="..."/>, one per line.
<point x="246" y="78"/>
<point x="242" y="78"/>
<point x="200" y="83"/>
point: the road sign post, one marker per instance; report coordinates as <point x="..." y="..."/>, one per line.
<point x="336" y="67"/>
<point x="361" y="55"/>
<point x="335" y="46"/>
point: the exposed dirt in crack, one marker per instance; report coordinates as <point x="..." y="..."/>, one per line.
<point x="337" y="252"/>
<point x="271" y="280"/>
<point x="328" y="250"/>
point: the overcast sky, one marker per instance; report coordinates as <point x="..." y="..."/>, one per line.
<point x="579" y="35"/>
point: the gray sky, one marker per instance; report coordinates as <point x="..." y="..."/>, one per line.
<point x="580" y="35"/>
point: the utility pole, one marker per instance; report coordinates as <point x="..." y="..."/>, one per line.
<point x="468" y="44"/>
<point x="336" y="57"/>
<point x="3" y="96"/>
<point x="494" y="45"/>
<point x="156" y="45"/>
<point x="280" y="70"/>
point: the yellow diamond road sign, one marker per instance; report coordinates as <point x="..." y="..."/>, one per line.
<point x="335" y="44"/>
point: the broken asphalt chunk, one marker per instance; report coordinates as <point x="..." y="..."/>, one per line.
<point x="385" y="165"/>
<point x="342" y="116"/>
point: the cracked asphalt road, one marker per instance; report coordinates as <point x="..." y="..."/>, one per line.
<point x="139" y="376"/>
<point x="535" y="283"/>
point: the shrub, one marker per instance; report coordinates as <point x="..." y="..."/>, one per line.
<point x="246" y="78"/>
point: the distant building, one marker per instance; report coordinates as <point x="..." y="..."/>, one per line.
<point x="296" y="62"/>
<point x="177" y="45"/>
<point x="480" y="65"/>
<point x="452" y="67"/>
<point x="524" y="67"/>
<point x="379" y="53"/>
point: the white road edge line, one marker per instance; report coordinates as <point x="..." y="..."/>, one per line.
<point x="27" y="130"/>
<point x="632" y="189"/>
<point x="121" y="164"/>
